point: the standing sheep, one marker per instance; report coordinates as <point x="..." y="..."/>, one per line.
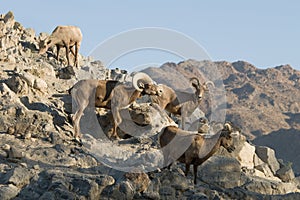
<point x="181" y="103"/>
<point x="108" y="94"/>
<point x="63" y="36"/>
<point x="198" y="148"/>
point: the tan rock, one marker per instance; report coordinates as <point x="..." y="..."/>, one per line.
<point x="247" y="155"/>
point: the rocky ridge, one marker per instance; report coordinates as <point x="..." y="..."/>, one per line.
<point x="40" y="160"/>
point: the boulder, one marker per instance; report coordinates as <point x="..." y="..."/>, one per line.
<point x="264" y="186"/>
<point x="267" y="155"/>
<point x="66" y="72"/>
<point x="15" y="153"/>
<point x="40" y="84"/>
<point x="19" y="177"/>
<point x="18" y="85"/>
<point x="286" y="174"/>
<point x="8" y="191"/>
<point x="246" y="155"/>
<point x="265" y="169"/>
<point x="222" y="171"/>
<point x="66" y="184"/>
<point x="9" y="17"/>
<point x="140" y="181"/>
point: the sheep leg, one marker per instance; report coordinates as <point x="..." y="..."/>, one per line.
<point x="187" y="168"/>
<point x="67" y="53"/>
<point x="77" y="116"/>
<point x="72" y="50"/>
<point x="195" y="173"/>
<point x="57" y="52"/>
<point x="117" y="121"/>
<point x="183" y="122"/>
<point x="77" y="46"/>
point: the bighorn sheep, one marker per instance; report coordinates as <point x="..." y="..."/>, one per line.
<point x="108" y="94"/>
<point x="63" y="36"/>
<point x="198" y="147"/>
<point x="181" y="103"/>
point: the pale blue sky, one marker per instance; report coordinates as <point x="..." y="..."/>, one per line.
<point x="264" y="33"/>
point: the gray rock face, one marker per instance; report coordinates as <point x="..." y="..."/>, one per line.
<point x="286" y="174"/>
<point x="226" y="172"/>
<point x="268" y="156"/>
<point x="64" y="184"/>
<point x="9" y="191"/>
<point x="19" y="177"/>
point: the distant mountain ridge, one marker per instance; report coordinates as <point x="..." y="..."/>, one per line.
<point x="269" y="97"/>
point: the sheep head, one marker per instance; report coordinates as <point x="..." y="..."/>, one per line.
<point x="226" y="137"/>
<point x="143" y="83"/>
<point x="44" y="45"/>
<point x="200" y="88"/>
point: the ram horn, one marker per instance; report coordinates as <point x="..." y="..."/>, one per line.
<point x="195" y="78"/>
<point x="228" y="126"/>
<point x="139" y="78"/>
<point x="209" y="83"/>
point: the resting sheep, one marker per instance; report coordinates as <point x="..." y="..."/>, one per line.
<point x="181" y="103"/>
<point x="198" y="148"/>
<point x="108" y="94"/>
<point x="63" y="36"/>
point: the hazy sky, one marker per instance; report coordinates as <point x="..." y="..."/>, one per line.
<point x="264" y="33"/>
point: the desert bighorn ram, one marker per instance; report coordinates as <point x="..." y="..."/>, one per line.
<point x="198" y="147"/>
<point x="108" y="94"/>
<point x="63" y="36"/>
<point x="181" y="103"/>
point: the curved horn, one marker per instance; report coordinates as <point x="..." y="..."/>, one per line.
<point x="195" y="78"/>
<point x="140" y="77"/>
<point x="209" y="82"/>
<point x="228" y="126"/>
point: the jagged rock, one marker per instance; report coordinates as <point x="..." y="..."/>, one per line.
<point x="198" y="196"/>
<point x="268" y="156"/>
<point x="28" y="77"/>
<point x="40" y="84"/>
<point x="8" y="17"/>
<point x="265" y="169"/>
<point x="19" y="177"/>
<point x="246" y="156"/>
<point x="8" y="192"/>
<point x="175" y="179"/>
<point x="15" y="153"/>
<point x="59" y="184"/>
<point x="152" y="191"/>
<point x="124" y="190"/>
<point x="28" y="35"/>
<point x="167" y="192"/>
<point x="222" y="171"/>
<point x="286" y="174"/>
<point x="66" y="72"/>
<point x="18" y="85"/>
<point x="256" y="160"/>
<point x="264" y="186"/>
<point x="140" y="181"/>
